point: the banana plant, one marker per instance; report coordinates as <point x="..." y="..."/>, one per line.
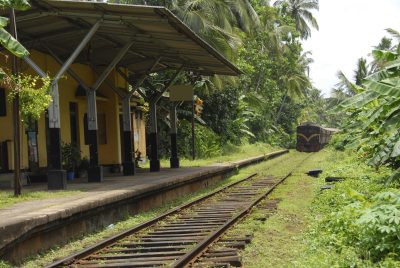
<point x="374" y="122"/>
<point x="6" y="39"/>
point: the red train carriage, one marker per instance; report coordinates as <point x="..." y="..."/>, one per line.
<point x="312" y="137"/>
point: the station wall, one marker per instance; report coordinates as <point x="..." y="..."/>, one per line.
<point x="108" y="109"/>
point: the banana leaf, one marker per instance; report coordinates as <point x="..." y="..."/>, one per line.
<point x="359" y="100"/>
<point x="3" y="22"/>
<point x="377" y="76"/>
<point x="382" y="88"/>
<point x="392" y="64"/>
<point x="371" y="117"/>
<point x="11" y="44"/>
<point x="17" y="4"/>
<point x="396" y="149"/>
<point x="384" y="55"/>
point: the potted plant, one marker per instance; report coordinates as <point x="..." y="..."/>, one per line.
<point x="71" y="156"/>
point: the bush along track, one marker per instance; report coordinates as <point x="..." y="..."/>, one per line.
<point x="353" y="224"/>
<point x="357" y="222"/>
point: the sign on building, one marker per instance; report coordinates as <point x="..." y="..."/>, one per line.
<point x="181" y="93"/>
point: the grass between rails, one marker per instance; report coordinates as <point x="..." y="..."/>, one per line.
<point x="74" y="246"/>
<point x="276" y="242"/>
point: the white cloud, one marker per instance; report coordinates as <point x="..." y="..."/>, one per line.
<point x="348" y="30"/>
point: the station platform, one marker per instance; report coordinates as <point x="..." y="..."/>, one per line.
<point x="31" y="226"/>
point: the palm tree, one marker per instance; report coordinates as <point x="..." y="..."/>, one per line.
<point x="219" y="22"/>
<point x="385" y="44"/>
<point x="361" y="72"/>
<point x="305" y="61"/>
<point x="345" y="85"/>
<point x="300" y="11"/>
<point x="297" y="85"/>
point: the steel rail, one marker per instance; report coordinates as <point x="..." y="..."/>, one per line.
<point x="105" y="243"/>
<point x="191" y="256"/>
<point x="88" y="251"/>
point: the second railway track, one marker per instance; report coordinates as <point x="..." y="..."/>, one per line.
<point x="183" y="236"/>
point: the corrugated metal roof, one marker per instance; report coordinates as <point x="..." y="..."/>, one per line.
<point x="155" y="32"/>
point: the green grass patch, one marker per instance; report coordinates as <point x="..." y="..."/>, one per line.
<point x="61" y="251"/>
<point x="230" y="153"/>
<point x="8" y="199"/>
<point x="277" y="241"/>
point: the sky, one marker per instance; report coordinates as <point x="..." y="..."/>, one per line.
<point x="348" y="30"/>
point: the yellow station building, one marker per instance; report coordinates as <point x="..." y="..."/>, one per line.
<point x="73" y="107"/>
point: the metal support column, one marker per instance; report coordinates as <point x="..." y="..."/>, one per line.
<point x="95" y="172"/>
<point x="129" y="147"/>
<point x="154" y="161"/>
<point x="174" y="160"/>
<point x="56" y="175"/>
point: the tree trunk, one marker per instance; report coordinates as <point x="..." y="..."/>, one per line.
<point x="281" y="107"/>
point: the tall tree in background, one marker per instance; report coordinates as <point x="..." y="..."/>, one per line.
<point x="361" y="72"/>
<point x="301" y="12"/>
<point x="219" y="22"/>
<point x="265" y="43"/>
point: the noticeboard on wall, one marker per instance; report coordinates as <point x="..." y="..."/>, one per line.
<point x="181" y="93"/>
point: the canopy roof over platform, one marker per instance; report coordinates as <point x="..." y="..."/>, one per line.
<point x="154" y="31"/>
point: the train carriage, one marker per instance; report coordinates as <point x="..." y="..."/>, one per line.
<point x="312" y="137"/>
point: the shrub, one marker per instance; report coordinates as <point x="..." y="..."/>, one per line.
<point x="357" y="223"/>
<point x="207" y="143"/>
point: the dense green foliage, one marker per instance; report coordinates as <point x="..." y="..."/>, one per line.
<point x="357" y="222"/>
<point x="34" y="95"/>
<point x="373" y="121"/>
<point x="264" y="104"/>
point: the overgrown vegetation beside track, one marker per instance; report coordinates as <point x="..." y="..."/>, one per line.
<point x="357" y="223"/>
<point x="354" y="224"/>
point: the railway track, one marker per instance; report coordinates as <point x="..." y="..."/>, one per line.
<point x="188" y="236"/>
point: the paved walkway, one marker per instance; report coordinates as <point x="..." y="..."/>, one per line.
<point x="22" y="217"/>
